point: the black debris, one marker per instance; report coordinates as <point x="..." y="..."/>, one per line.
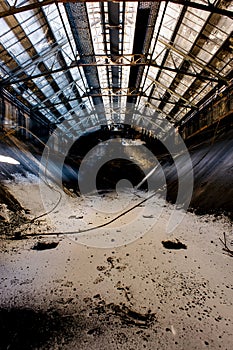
<point x="174" y="244"/>
<point x="45" y="245"/>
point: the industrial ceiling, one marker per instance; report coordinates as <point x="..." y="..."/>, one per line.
<point x="82" y="63"/>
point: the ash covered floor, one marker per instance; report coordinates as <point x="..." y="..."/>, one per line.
<point x="77" y="295"/>
<point x="116" y="287"/>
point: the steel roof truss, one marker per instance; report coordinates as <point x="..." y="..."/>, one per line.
<point x="192" y="60"/>
<point x="155" y="82"/>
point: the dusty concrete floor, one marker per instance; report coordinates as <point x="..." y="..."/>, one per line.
<point x="116" y="287"/>
<point x="86" y="293"/>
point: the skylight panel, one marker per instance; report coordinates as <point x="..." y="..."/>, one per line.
<point x="30" y="97"/>
<point x="184" y="39"/>
<point x="170" y="20"/>
<point x="72" y="103"/>
<point x="31" y="70"/>
<point x="57" y="27"/>
<point x="60" y="79"/>
<point x="47" y="90"/>
<point x="167" y="78"/>
<point x="49" y="115"/>
<point x="52" y="62"/>
<point x="68" y="92"/>
<point x="4" y="70"/>
<point x="195" y="19"/>
<point x="17" y="2"/>
<point x="78" y="81"/>
<point x="168" y="107"/>
<point x="201" y="91"/>
<point x="61" y="109"/>
<point x="40" y="82"/>
<point x="79" y="76"/>
<point x="226" y="69"/>
<point x="206" y="52"/>
<point x="8" y="38"/>
<point x="182" y="112"/>
<point x="182" y="87"/>
<point x="129" y="26"/>
<point x="216" y="33"/>
<point x="67" y="52"/>
<point x="174" y="60"/>
<point x="29" y="22"/>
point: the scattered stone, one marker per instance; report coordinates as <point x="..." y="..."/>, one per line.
<point x="131" y="317"/>
<point x="101" y="268"/>
<point x="174" y="244"/>
<point x="97" y="296"/>
<point x="75" y="217"/>
<point x="45" y="245"/>
<point x="94" y="331"/>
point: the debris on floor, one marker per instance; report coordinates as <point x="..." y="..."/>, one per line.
<point x="134" y="296"/>
<point x="134" y="318"/>
<point x="226" y="248"/>
<point x="45" y="245"/>
<point x="174" y="244"/>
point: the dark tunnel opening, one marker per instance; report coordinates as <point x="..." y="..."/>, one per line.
<point x="115" y="172"/>
<point x="141" y="153"/>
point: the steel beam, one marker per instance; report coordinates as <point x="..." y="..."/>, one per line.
<point x="57" y="93"/>
<point x="38" y="4"/>
<point x="79" y="21"/>
<point x="155" y="82"/>
<point x="74" y="64"/>
<point x="193" y="60"/>
<point x="108" y="93"/>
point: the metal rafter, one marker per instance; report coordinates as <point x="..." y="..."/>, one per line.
<point x="57" y="94"/>
<point x="158" y="83"/>
<point x="63" y="54"/>
<point x="114" y="26"/>
<point x="80" y="26"/>
<point x="177" y="26"/>
<point x="38" y="93"/>
<point x="100" y="61"/>
<point x="37" y="62"/>
<point x="103" y="24"/>
<point x="155" y="43"/>
<point x="194" y="84"/>
<point x="38" y="4"/>
<point x="108" y="92"/>
<point x="141" y="27"/>
<point x="61" y="60"/>
<point x="189" y="62"/>
<point x="25" y="75"/>
<point x="25" y="41"/>
<point x="193" y="60"/>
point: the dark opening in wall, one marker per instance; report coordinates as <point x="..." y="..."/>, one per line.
<point x="112" y="172"/>
<point x="140" y="152"/>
